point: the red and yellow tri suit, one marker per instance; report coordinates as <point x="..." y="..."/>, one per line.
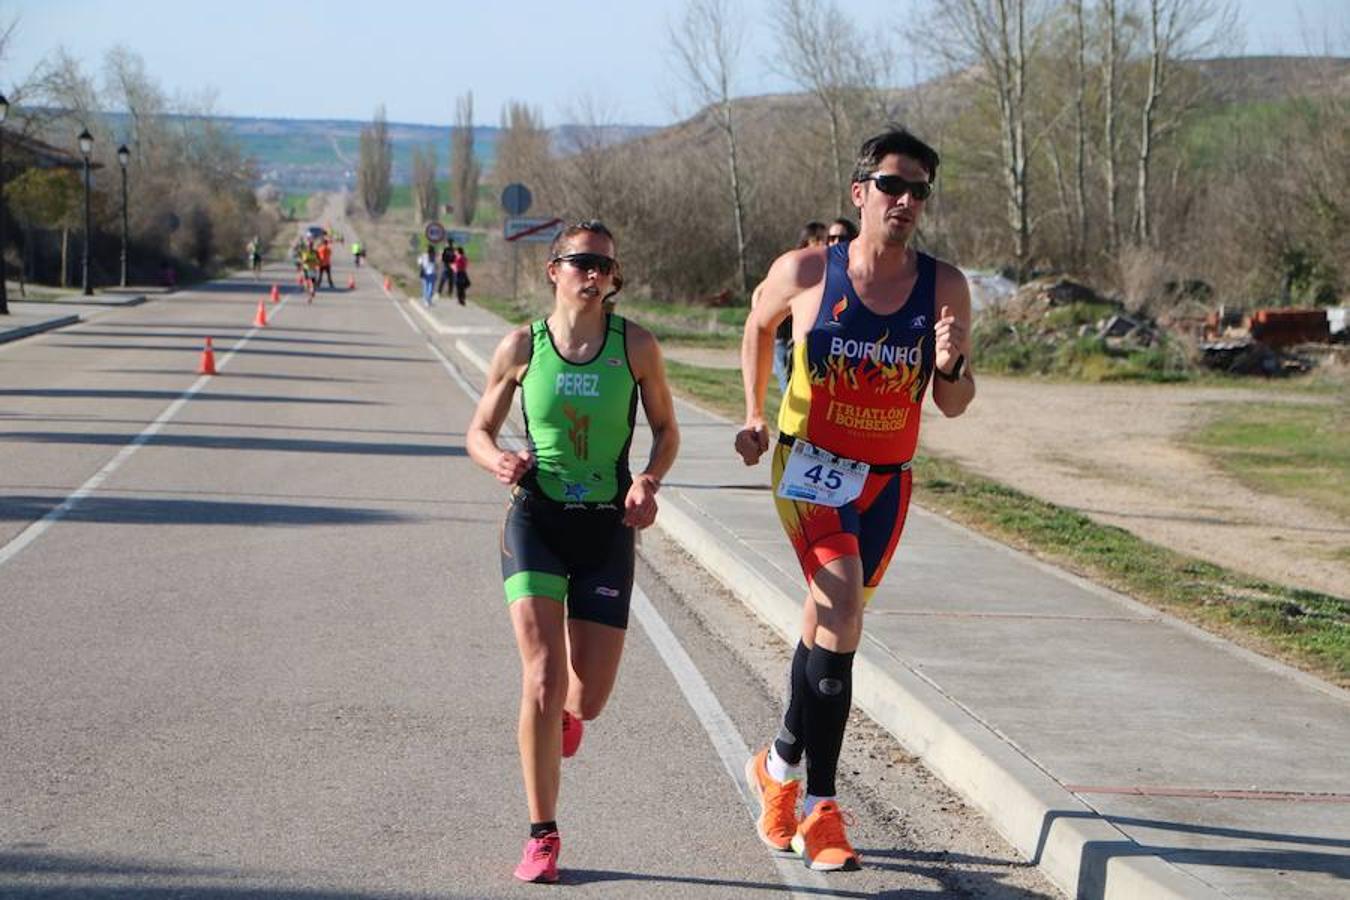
<point x="857" y="388"/>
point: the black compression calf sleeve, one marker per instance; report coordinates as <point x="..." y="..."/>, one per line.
<point x="789" y="743"/>
<point x="829" y="678"/>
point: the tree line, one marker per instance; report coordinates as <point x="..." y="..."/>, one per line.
<point x="192" y="200"/>
<point x="1088" y="137"/>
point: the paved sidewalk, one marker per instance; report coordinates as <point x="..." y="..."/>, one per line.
<point x="28" y="317"/>
<point x="1124" y="752"/>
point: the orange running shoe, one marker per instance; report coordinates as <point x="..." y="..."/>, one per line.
<point x="821" y="841"/>
<point x="777" y="802"/>
<point x="572" y="728"/>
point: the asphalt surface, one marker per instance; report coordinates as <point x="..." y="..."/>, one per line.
<point x="254" y="643"/>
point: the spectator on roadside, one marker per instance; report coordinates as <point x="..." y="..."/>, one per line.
<point x="447" y="282"/>
<point x="461" y="264"/>
<point x="841" y="230"/>
<point x="427" y="267"/>
<point x="812" y="235"/>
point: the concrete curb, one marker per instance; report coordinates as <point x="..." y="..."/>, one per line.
<point x="24" y="331"/>
<point x="1083" y="854"/>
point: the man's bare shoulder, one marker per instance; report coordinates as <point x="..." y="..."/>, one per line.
<point x="950" y="279"/>
<point x="800" y="268"/>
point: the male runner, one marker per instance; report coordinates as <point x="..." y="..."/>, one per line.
<point x="874" y="322"/>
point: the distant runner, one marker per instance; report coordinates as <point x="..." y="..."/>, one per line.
<point x="255" y="256"/>
<point x="874" y="322"/>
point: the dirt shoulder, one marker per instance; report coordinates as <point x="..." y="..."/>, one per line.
<point x="1117" y="454"/>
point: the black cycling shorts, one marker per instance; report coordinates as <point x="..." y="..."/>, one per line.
<point x="581" y="556"/>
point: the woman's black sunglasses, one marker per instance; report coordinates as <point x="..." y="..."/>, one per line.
<point x="585" y="262"/>
<point x="898" y="187"/>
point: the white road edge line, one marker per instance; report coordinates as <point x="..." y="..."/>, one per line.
<point x="722" y="733"/>
<point x="38" y="528"/>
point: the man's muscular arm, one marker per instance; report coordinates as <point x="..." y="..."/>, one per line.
<point x="790" y="275"/>
<point x="953" y="342"/>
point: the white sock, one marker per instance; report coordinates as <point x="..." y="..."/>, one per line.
<point x="809" y="804"/>
<point x="780" y="769"/>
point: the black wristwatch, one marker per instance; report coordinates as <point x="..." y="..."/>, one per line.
<point x="956" y="370"/>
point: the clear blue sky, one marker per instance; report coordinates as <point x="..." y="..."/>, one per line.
<point x="340" y="58"/>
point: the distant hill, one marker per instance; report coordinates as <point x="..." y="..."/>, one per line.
<point x="1231" y="81"/>
<point x="299" y="155"/>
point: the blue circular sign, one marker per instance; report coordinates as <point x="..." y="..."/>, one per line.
<point x="516" y="198"/>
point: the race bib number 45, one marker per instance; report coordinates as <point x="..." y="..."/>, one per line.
<point x="813" y="475"/>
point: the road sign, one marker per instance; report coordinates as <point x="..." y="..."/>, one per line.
<point x="516" y="198"/>
<point x="532" y="231"/>
<point x="435" y="232"/>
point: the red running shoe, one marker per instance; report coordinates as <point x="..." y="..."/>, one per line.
<point x="572" y="730"/>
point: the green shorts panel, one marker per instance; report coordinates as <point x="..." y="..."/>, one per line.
<point x="535" y="584"/>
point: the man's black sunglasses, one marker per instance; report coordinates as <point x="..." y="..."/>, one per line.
<point x="898" y="187"/>
<point x="585" y="262"/>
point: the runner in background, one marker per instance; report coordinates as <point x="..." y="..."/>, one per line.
<point x="325" y="253"/>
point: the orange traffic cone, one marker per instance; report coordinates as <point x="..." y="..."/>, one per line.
<point x="351" y="282"/>
<point x="260" y="320"/>
<point x="386" y="284"/>
<point x="276" y="293"/>
<point x="208" y="365"/>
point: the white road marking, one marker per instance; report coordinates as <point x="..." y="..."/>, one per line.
<point x="38" y="528"/>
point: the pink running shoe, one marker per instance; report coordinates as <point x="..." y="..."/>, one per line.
<point x="572" y="731"/>
<point x="539" y="864"/>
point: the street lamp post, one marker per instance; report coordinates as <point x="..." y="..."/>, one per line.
<point x="123" y="157"/>
<point x="4" y="212"/>
<point x="86" y="147"/>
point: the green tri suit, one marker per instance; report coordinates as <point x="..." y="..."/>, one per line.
<point x="564" y="535"/>
<point x="579" y="417"/>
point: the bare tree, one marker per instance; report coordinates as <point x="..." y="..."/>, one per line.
<point x="1111" y="58"/>
<point x="522" y="153"/>
<point x="822" y="52"/>
<point x="998" y="36"/>
<point x="586" y="170"/>
<point x="375" y="167"/>
<point x="464" y="168"/>
<point x="425" y="189"/>
<point x="1080" y="132"/>
<point x="1176" y="29"/>
<point x="706" y="44"/>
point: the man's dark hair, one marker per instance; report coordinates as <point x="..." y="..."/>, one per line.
<point x="849" y="226"/>
<point x="900" y="141"/>
<point x="594" y="226"/>
<point x="812" y="231"/>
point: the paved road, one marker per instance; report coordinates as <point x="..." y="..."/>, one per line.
<point x="254" y="644"/>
